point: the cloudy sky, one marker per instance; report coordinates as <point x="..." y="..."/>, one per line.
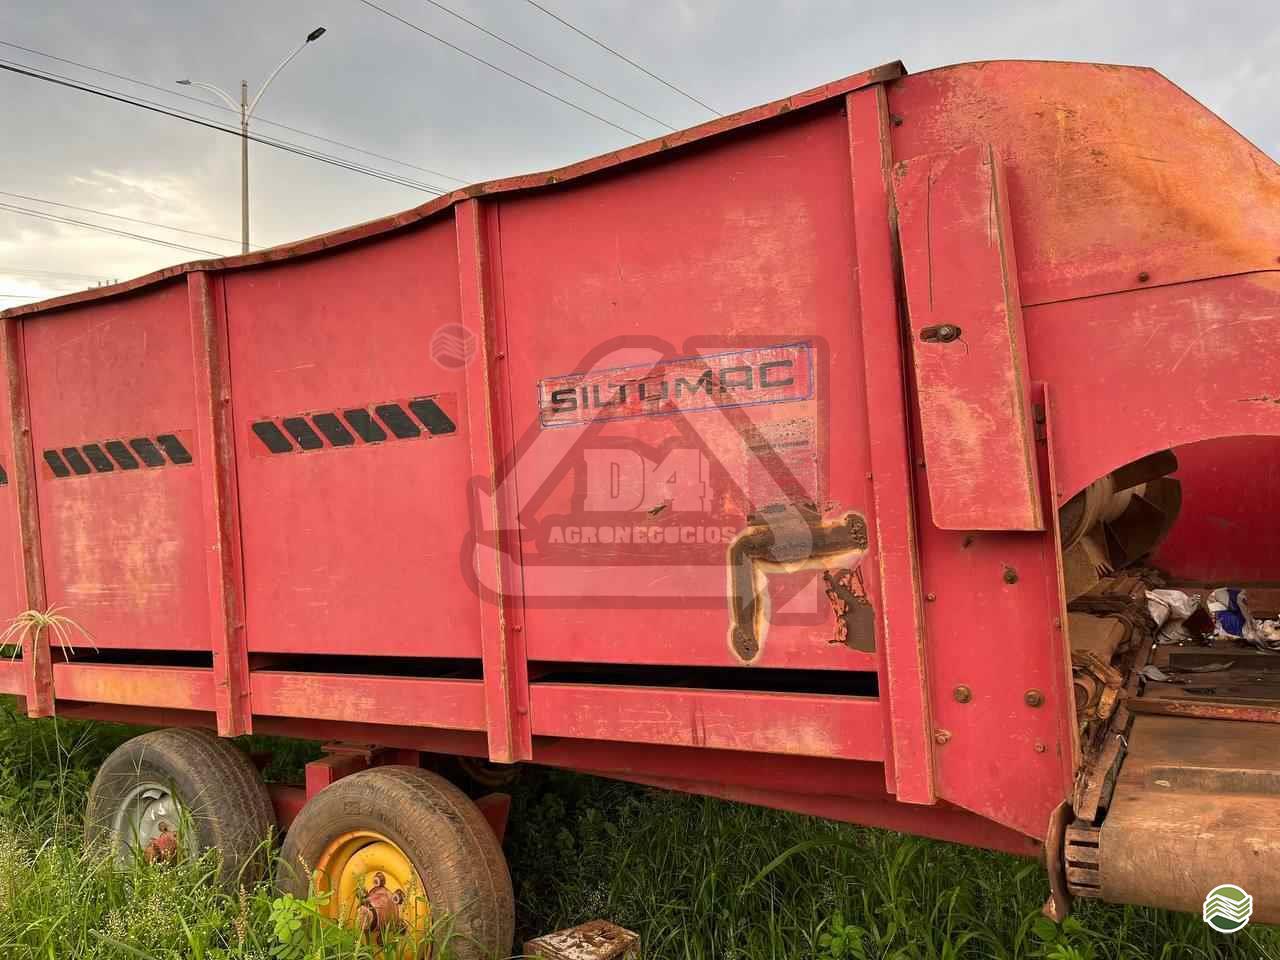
<point x="374" y="83"/>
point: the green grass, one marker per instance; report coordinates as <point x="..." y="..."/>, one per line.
<point x="690" y="874"/>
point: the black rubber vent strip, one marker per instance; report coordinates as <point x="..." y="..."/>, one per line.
<point x="54" y="460"/>
<point x="174" y="448"/>
<point x="301" y="431"/>
<point x="272" y="438"/>
<point x="78" y="463"/>
<point x="110" y="456"/>
<point x="101" y="462"/>
<point x="120" y="453"/>
<point x="333" y="430"/>
<point x="147" y="451"/>
<point x="357" y="426"/>
<point x="433" y="418"/>
<point x="365" y="426"/>
<point x="394" y="417"/>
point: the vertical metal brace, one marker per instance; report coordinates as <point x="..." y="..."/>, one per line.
<point x="219" y="501"/>
<point x="905" y="687"/>
<point x="36" y="654"/>
<point x="489" y="431"/>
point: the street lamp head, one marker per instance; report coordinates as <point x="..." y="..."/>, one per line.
<point x="315" y="34"/>
<point x="183" y="83"/>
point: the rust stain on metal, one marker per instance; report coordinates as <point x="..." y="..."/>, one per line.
<point x="596" y="940"/>
<point x="783" y="540"/>
<point x="1207" y="709"/>
<point x="1058" y="905"/>
<point x="855" y="618"/>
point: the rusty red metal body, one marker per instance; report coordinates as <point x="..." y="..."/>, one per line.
<point x="723" y="463"/>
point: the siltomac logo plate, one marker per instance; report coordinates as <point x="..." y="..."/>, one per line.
<point x="739" y="378"/>
<point x="433" y="416"/>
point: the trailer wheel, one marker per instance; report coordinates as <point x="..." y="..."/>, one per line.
<point x="181" y="792"/>
<point x="403" y="848"/>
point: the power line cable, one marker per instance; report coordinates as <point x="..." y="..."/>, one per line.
<point x="20" y="296"/>
<point x="604" y="46"/>
<point x="33" y="274"/>
<point x="213" y="125"/>
<point x="546" y="63"/>
<point x="40" y="214"/>
<point x="222" y="106"/>
<point x="203" y="121"/>
<point x="506" y="73"/>
<point x="118" y="216"/>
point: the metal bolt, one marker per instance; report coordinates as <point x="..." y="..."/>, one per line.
<point x="941" y="736"/>
<point x="897" y="121"/>
<point x="1010" y="575"/>
<point x="1040" y="747"/>
<point x="931" y="597"/>
<point x="1143" y="277"/>
<point x="962" y="694"/>
<point x="1034" y="698"/>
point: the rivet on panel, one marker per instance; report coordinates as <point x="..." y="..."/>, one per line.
<point x="962" y="694"/>
<point x="1033" y="698"/>
<point x="1040" y="747"/>
<point x="931" y="597"/>
<point x="1010" y="575"/>
<point x="941" y="736"/>
<point x="1143" y="277"/>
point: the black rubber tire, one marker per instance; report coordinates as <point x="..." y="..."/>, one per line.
<point x="223" y="794"/>
<point x="441" y="831"/>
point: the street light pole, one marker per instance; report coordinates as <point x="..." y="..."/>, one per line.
<point x="246" y="108"/>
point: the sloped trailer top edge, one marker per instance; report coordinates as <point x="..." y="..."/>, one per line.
<point x="332" y="239"/>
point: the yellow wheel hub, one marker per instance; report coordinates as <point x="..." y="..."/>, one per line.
<point x="373" y="885"/>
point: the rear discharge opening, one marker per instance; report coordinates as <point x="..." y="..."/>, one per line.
<point x="1172" y="574"/>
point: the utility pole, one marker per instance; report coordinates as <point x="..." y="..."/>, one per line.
<point x="246" y="108"/>
<point x="244" y="166"/>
